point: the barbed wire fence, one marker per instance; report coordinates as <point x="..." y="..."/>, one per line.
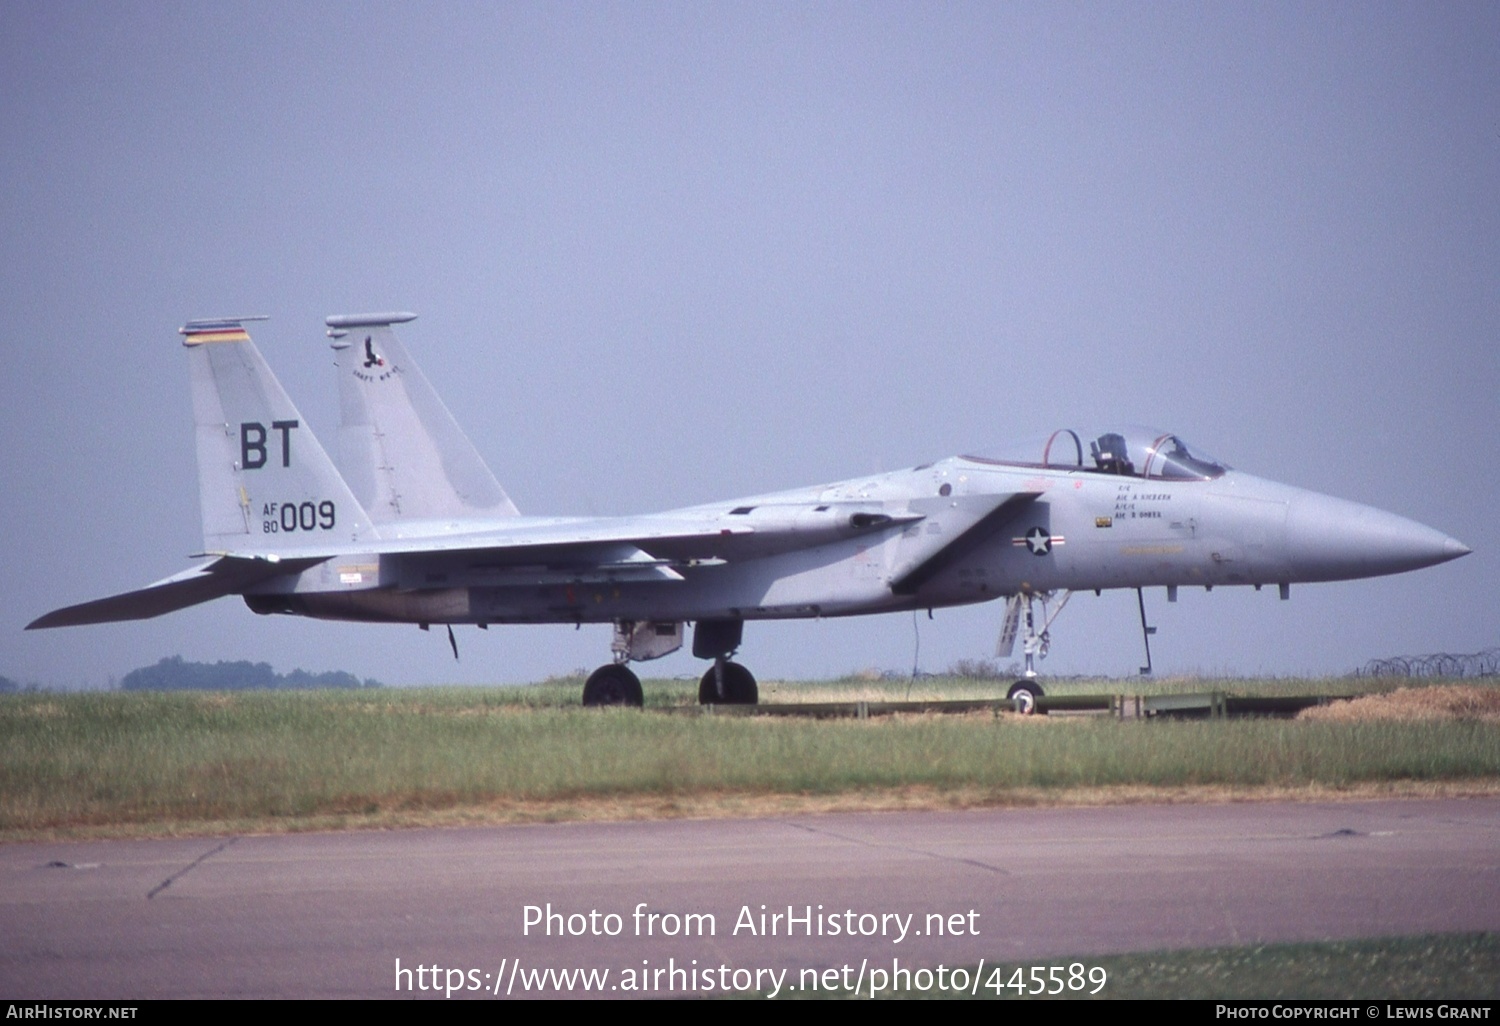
<point x="1438" y="664"/>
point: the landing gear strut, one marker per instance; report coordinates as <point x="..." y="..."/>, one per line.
<point x="1020" y="619"/>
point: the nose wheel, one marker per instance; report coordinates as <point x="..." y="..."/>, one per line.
<point x="1025" y="694"/>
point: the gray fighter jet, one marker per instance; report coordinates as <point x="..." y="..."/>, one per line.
<point x="417" y="530"/>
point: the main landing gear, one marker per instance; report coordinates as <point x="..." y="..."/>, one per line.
<point x="725" y="683"/>
<point x="614" y="684"/>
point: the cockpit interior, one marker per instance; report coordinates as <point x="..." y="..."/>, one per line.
<point x="1127" y="452"/>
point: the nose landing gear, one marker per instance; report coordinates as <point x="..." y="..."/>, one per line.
<point x="1020" y="619"/>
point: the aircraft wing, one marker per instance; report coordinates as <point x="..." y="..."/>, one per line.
<point x="683" y="538"/>
<point x="227" y="575"/>
<point x="655" y="547"/>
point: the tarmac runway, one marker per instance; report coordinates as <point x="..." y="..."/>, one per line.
<point x="761" y="904"/>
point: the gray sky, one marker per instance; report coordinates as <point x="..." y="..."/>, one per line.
<point x="671" y="253"/>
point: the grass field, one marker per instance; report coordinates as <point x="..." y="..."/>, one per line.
<point x="140" y="763"/>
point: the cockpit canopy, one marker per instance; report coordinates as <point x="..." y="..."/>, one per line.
<point x="1129" y="452"/>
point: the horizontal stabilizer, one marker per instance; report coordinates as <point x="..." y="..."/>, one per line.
<point x="224" y="576"/>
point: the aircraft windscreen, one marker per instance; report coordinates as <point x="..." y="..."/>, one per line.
<point x="1128" y="452"/>
<point x="1171" y="458"/>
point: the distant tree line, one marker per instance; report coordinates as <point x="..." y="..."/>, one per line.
<point x="7" y="685"/>
<point x="177" y="674"/>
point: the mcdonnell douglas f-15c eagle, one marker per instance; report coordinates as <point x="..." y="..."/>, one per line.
<point x="417" y="530"/>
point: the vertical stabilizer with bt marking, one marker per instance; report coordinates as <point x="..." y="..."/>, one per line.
<point x="403" y="454"/>
<point x="265" y="485"/>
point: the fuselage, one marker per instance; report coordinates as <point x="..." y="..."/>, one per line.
<point x="1081" y="529"/>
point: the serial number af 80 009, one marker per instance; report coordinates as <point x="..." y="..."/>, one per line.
<point x="286" y="517"/>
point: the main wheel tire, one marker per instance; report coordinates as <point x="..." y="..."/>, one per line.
<point x="1025" y="694"/>
<point x="739" y="687"/>
<point x="613" y="685"/>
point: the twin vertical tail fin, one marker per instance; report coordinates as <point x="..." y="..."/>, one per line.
<point x="272" y="501"/>
<point x="265" y="484"/>
<point x="403" y="454"/>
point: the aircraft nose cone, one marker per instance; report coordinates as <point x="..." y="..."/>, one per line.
<point x="1333" y="539"/>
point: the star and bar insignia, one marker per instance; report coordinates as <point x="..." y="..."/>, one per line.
<point x="1039" y="540"/>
